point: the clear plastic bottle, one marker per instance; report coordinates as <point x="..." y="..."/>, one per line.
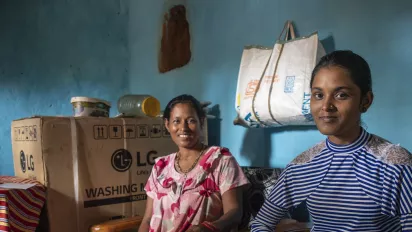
<point x="138" y="105"/>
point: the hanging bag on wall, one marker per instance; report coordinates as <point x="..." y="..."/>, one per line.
<point x="273" y="84"/>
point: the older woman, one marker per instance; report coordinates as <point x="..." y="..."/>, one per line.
<point x="198" y="188"/>
<point x="354" y="180"/>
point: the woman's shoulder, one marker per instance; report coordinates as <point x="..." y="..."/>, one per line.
<point x="165" y="157"/>
<point x="388" y="152"/>
<point x="160" y="163"/>
<point x="217" y="152"/>
<point x="224" y="151"/>
<point x="216" y="155"/>
<point x="309" y="154"/>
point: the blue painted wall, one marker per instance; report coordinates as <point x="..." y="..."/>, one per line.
<point x="53" y="50"/>
<point x="112" y="47"/>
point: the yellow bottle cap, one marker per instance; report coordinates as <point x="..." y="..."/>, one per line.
<point x="151" y="106"/>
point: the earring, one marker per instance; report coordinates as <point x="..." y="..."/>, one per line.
<point x="364" y="109"/>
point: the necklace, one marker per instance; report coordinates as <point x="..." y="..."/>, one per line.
<point x="177" y="161"/>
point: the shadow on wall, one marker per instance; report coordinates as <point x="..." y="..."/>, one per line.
<point x="329" y="44"/>
<point x="214" y="126"/>
<point x="256" y="147"/>
<point x="257" y="143"/>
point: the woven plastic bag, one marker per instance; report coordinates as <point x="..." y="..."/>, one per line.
<point x="273" y="86"/>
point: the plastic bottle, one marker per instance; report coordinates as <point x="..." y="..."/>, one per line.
<point x="138" y="105"/>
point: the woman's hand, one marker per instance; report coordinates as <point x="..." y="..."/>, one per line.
<point x="145" y="225"/>
<point x="199" y="228"/>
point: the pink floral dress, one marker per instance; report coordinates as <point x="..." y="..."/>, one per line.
<point x="180" y="201"/>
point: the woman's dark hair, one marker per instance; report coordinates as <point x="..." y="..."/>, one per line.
<point x="185" y="98"/>
<point x="357" y="68"/>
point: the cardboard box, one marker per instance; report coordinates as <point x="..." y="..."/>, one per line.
<point x="94" y="168"/>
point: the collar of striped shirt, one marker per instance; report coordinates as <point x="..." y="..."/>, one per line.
<point x="360" y="142"/>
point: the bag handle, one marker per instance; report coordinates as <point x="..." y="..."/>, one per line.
<point x="292" y="30"/>
<point x="288" y="28"/>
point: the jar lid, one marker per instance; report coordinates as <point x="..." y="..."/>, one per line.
<point x="151" y="106"/>
<point x="89" y="99"/>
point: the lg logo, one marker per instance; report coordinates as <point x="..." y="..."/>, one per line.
<point x="26" y="162"/>
<point x="122" y="159"/>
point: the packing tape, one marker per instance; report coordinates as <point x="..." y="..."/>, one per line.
<point x="75" y="158"/>
<point x="130" y="207"/>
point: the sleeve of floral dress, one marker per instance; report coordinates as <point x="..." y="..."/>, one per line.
<point x="150" y="188"/>
<point x="230" y="173"/>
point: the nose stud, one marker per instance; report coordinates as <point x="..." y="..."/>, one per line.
<point x="329" y="107"/>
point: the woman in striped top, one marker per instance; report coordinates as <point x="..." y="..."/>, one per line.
<point x="353" y="181"/>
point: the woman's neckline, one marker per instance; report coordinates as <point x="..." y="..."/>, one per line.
<point x="360" y="142"/>
<point x="205" y="151"/>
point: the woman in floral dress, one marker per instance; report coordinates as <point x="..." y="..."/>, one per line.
<point x="198" y="188"/>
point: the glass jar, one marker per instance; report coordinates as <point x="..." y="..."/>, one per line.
<point x="138" y="105"/>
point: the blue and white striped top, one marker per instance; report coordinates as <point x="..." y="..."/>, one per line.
<point x="364" y="186"/>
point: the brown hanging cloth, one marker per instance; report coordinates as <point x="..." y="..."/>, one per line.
<point x="175" y="44"/>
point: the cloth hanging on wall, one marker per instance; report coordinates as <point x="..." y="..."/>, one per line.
<point x="175" y="44"/>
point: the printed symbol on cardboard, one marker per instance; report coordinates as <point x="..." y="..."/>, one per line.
<point x="34" y="135"/>
<point x="23" y="133"/>
<point x="143" y="131"/>
<point x="115" y="131"/>
<point x="100" y="132"/>
<point x="16" y="134"/>
<point x="156" y="131"/>
<point x="121" y="160"/>
<point x="165" y="131"/>
<point x="31" y="133"/>
<point x="22" y="161"/>
<point x="26" y="133"/>
<point x="130" y="131"/>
